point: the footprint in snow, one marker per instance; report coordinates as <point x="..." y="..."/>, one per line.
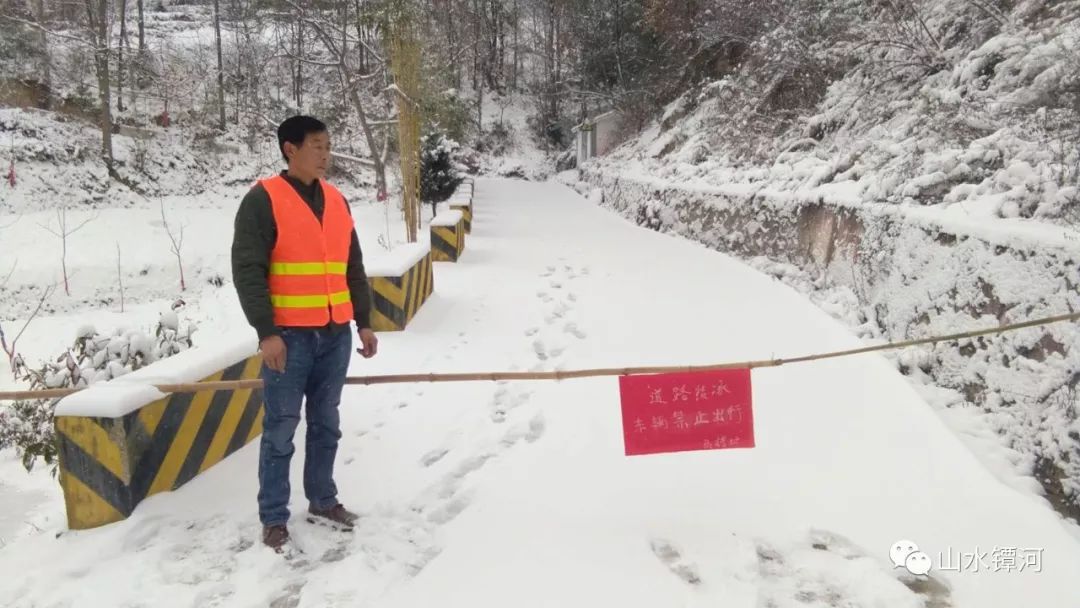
<point x="670" y="556"/>
<point x="574" y="330"/>
<point x="450" y="510"/>
<point x="537" y="426"/>
<point x="434" y="456"/>
<point x="555" y="316"/>
<point x="290" y="598"/>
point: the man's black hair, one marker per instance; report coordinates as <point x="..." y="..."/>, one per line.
<point x="294" y="129"/>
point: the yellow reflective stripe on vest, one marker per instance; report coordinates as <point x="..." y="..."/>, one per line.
<point x="307" y="268"/>
<point x="340" y="297"/>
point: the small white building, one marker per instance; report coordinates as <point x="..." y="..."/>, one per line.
<point x="598" y="136"/>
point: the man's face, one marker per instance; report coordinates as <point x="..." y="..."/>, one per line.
<point x="312" y="157"/>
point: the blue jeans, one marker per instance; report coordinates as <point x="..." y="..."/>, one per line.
<point x="315" y="367"/>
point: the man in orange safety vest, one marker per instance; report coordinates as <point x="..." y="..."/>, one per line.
<point x="299" y="274"/>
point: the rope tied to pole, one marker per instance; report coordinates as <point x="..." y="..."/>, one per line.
<point x="558" y="375"/>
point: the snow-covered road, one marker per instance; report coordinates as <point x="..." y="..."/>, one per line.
<point x="518" y="494"/>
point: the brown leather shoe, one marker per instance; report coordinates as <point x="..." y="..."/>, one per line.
<point x="275" y="537"/>
<point x="337" y="515"/>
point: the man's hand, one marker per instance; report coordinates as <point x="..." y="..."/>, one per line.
<point x="370" y="343"/>
<point x="273" y="352"/>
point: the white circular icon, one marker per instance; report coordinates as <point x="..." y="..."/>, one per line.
<point x="918" y="563"/>
<point x="900" y="551"/>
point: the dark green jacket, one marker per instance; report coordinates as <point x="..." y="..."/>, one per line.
<point x="254" y="237"/>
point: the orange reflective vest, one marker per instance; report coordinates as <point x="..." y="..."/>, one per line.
<point x="309" y="260"/>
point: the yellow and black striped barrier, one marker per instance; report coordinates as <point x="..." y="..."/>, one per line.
<point x="398" y="294"/>
<point x="448" y="236"/>
<point x="466" y="209"/>
<point x="109" y="465"/>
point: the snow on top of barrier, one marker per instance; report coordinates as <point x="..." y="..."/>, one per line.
<point x="398" y="261"/>
<point x="125" y="394"/>
<point x="447" y="218"/>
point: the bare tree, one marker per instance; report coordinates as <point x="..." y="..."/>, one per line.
<point x="97" y="38"/>
<point x="325" y="31"/>
<point x="9" y="347"/>
<point x="62" y="232"/>
<point x="43" y="42"/>
<point x="142" y="28"/>
<point x="177" y="240"/>
<point x="119" y="277"/>
<point x="120" y="57"/>
<point x="10" y="273"/>
<point x="220" y="66"/>
<point x="97" y="13"/>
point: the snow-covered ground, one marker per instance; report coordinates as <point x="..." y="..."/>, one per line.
<point x="480" y="494"/>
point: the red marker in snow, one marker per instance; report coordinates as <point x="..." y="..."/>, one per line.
<point x="11" y="174"/>
<point x="684" y="412"/>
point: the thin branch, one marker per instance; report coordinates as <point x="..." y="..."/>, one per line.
<point x="288" y="55"/>
<point x="85" y="222"/>
<point x="119" y="276"/>
<point x="10" y="273"/>
<point x="13" y="222"/>
<point x="9" y="349"/>
<point x="362" y="161"/>
<point x="42" y="28"/>
<point x="177" y="243"/>
<point x="41" y="302"/>
<point x="398" y="90"/>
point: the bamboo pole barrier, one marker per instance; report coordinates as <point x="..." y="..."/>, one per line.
<point x="256" y="383"/>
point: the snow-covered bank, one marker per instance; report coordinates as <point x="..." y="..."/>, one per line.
<point x="909" y="273"/>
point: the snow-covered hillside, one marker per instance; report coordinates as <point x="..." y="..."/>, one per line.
<point x="481" y="494"/>
<point x="940" y="181"/>
<point x="976" y="115"/>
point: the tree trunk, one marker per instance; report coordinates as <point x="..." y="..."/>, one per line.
<point x="549" y="63"/>
<point x="517" y="27"/>
<point x="220" y="66"/>
<point x="360" y="36"/>
<point x="43" y="49"/>
<point x="558" y="63"/>
<point x="120" y="57"/>
<point x="450" y="46"/>
<point x="353" y="89"/>
<point x="98" y="18"/>
<point x="345" y="42"/>
<point x="476" y="45"/>
<point x="298" y="79"/>
<point x="142" y="28"/>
